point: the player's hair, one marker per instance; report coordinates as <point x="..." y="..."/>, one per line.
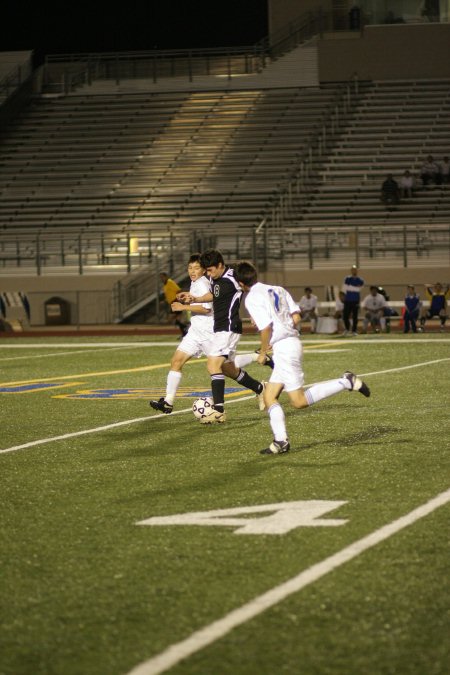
<point x="308" y="288"/>
<point x="246" y="273"/>
<point x="195" y="257"/>
<point x="211" y="258"/>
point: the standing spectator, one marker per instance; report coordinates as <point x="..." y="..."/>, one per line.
<point x="445" y="171"/>
<point x="171" y="289"/>
<point x="390" y="193"/>
<point x="438" y="305"/>
<point x="308" y="308"/>
<point x="374" y="305"/>
<point x="352" y="288"/>
<point x="406" y="185"/>
<point x="430" y="172"/>
<point x="411" y="310"/>
<point x="339" y="311"/>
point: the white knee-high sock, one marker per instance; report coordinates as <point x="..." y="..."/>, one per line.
<point x="242" y="360"/>
<point x="173" y="382"/>
<point x="325" y="389"/>
<point x="277" y="422"/>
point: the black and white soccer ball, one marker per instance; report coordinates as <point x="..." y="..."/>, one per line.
<point x="203" y="407"/>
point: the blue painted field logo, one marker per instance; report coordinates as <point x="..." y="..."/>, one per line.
<point x="145" y="393"/>
<point x="283" y="517"/>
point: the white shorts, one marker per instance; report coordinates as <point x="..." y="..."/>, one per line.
<point x="197" y="342"/>
<point x="225" y="344"/>
<point x="288" y="370"/>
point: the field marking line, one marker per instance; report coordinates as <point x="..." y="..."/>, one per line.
<point x="114" y="425"/>
<point x="396" y="370"/>
<point x="221" y="627"/>
<point x="111" y="372"/>
<point x="84" y="375"/>
<point x="111" y="348"/>
<point x="106" y="427"/>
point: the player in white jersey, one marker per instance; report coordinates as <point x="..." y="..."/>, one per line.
<point x="276" y="316"/>
<point x="198" y="340"/>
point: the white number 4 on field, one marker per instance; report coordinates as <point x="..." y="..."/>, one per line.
<point x="282" y="518"/>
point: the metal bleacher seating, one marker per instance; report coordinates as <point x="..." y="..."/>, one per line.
<point x="394" y="126"/>
<point x="130" y="161"/>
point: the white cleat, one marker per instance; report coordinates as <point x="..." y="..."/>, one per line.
<point x="356" y="384"/>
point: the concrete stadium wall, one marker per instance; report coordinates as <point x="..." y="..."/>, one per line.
<point x="393" y="52"/>
<point x="89" y="297"/>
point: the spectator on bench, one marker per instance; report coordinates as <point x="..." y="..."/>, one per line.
<point x="430" y="172"/>
<point x="308" y="308"/>
<point x="438" y="305"/>
<point x="390" y="193"/>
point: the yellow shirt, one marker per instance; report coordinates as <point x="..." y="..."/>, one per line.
<point x="171" y="289"/>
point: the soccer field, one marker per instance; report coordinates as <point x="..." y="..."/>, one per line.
<point x="136" y="542"/>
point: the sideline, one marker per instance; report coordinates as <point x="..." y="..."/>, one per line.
<point x="218" y="629"/>
<point x="115" y="425"/>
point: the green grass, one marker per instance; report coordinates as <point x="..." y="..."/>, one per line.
<point x="85" y="591"/>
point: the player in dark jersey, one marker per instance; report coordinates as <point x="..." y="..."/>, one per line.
<point x="226" y="296"/>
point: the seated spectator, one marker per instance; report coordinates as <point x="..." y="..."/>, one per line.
<point x="388" y="311"/>
<point x="430" y="172"/>
<point x="308" y="308"/>
<point x="445" y="171"/>
<point x="339" y="312"/>
<point x="390" y="193"/>
<point x="406" y="185"/>
<point x="411" y="310"/>
<point x="438" y="305"/>
<point x="373" y="306"/>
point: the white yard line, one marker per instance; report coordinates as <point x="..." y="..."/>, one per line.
<point x="218" y="629"/>
<point x="107" y="427"/>
<point x="94" y="348"/>
<point x="376" y="340"/>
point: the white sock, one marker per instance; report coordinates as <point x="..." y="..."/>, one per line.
<point x="173" y="381"/>
<point x="242" y="360"/>
<point x="325" y="389"/>
<point x="277" y="422"/>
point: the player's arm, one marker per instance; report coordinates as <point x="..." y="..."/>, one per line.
<point x="195" y="309"/>
<point x="188" y="298"/>
<point x="265" y="335"/>
<point x="296" y="318"/>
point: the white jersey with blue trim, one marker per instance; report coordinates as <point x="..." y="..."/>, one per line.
<point x="198" y="288"/>
<point x="274" y="306"/>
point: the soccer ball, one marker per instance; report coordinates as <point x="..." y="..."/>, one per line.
<point x="203" y="407"/>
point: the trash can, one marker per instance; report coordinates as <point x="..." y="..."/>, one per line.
<point x="57" y="312"/>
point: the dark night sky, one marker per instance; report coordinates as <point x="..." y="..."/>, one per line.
<point x="57" y="27"/>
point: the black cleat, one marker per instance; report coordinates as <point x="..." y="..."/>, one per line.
<point x="162" y="406"/>
<point x="269" y="360"/>
<point x="357" y="384"/>
<point x="276" y="448"/>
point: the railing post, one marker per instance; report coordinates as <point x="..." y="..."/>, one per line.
<point x="190" y="65"/>
<point x="405" y="244"/>
<point x="128" y="253"/>
<point x="38" y="255"/>
<point x="80" y="256"/>
<point x="310" y="249"/>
